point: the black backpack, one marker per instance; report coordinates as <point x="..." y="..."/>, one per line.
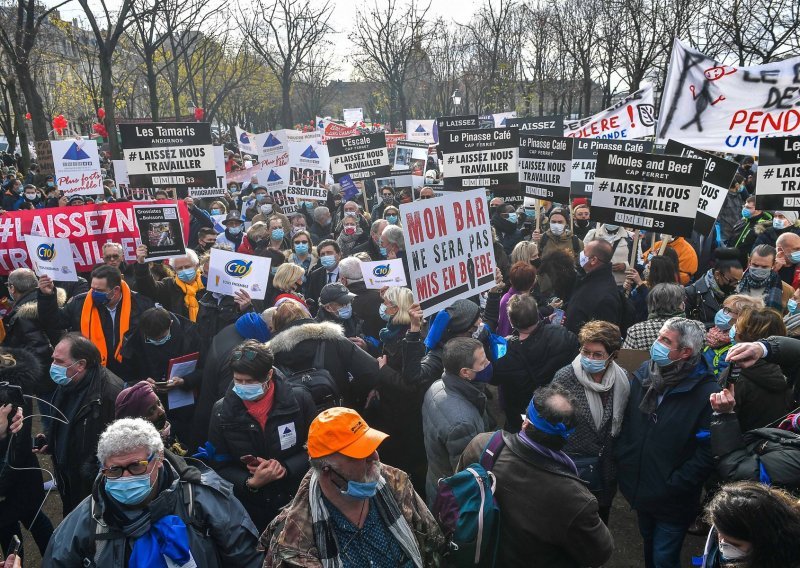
<point x="317" y="380"/>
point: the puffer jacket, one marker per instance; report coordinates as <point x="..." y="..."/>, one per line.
<point x="762" y="395"/>
<point x="220" y="532"/>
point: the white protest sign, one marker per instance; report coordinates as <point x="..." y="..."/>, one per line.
<point x="724" y="108"/>
<point x="383" y="273"/>
<point x="501" y="118"/>
<point x="353" y="115"/>
<point x="222" y="180"/>
<point x="420" y="130"/>
<point x="449" y="248"/>
<point x="410" y="155"/>
<point x="632" y="117"/>
<point x="273" y="148"/>
<point x="308" y="170"/>
<point x="246" y="141"/>
<point x="53" y="257"/>
<point x="77" y="167"/>
<point x="230" y="271"/>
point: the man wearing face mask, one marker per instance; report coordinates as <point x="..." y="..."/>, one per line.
<point x="761" y="281"/>
<point x="386" y="199"/>
<point x="336" y="305"/>
<point x="86" y="395"/>
<point x="373" y="245"/>
<point x="663" y="453"/>
<point x="621" y="243"/>
<point x="150" y="508"/>
<point x="260" y="198"/>
<point x="506" y="224"/>
<point x="351" y="510"/>
<point x="787" y="263"/>
<point x="12" y="196"/>
<point x="265" y="418"/>
<point x="783" y="222"/>
<point x="321" y="228"/>
<point x="234" y="227"/>
<point x="178" y="294"/>
<point x="596" y="295"/>
<point x="329" y="256"/>
<point x="31" y="196"/>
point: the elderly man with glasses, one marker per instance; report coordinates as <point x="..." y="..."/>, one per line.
<point x="114" y="255"/>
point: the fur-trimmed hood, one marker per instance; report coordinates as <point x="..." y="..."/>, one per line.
<point x="25" y="373"/>
<point x="288" y="339"/>
<point x="29" y="308"/>
<point x="765" y="225"/>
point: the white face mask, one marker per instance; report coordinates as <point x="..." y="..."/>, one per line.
<point x="583" y="259"/>
<point x="731" y="552"/>
<point x="557" y="228"/>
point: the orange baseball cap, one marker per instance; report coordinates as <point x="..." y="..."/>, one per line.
<point x="342" y="430"/>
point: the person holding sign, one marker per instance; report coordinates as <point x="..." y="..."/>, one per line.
<point x="178" y="294"/>
<point x="233" y="231"/>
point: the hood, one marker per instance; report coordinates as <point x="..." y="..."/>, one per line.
<point x="288" y="339"/>
<point x="26" y="373"/>
<point x="28" y="309"/>
<point x="768" y="376"/>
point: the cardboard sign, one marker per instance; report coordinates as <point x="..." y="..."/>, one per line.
<point x="353" y="115"/>
<point x="481" y="158"/>
<point x="77" y="167"/>
<point x="412" y="156"/>
<point x="230" y="271"/>
<point x="584" y="160"/>
<point x="308" y="170"/>
<point x="632" y="117"/>
<point x="361" y="157"/>
<point x="383" y="273"/>
<point x="273" y="148"/>
<point x="542" y="125"/>
<point x="51" y="256"/>
<point x="545" y="167"/>
<point x="169" y="154"/>
<point x="717" y="179"/>
<point x="647" y="191"/>
<point x="448" y="248"/>
<point x="246" y="141"/>
<point x="160" y="229"/>
<point x="778" y="174"/>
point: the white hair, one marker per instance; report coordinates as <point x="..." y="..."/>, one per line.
<point x="110" y="244"/>
<point x="128" y="435"/>
<point x="321" y="212"/>
<point x="350" y="268"/>
<point x="394" y="235"/>
<point x="190" y="254"/>
<point x="689" y="333"/>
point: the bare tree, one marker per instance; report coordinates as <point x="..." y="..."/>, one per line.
<point x="311" y="86"/>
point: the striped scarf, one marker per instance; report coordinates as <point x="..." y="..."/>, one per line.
<point x="325" y="539"/>
<point x="771" y="287"/>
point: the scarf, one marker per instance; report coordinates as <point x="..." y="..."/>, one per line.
<point x="391" y="332"/>
<point x="711" y="282"/>
<point x="558" y="456"/>
<point x="661" y="379"/>
<point x="716" y="338"/>
<point x="614" y="378"/>
<point x="190" y="295"/>
<point x="771" y="286"/>
<point x="348" y="242"/>
<point x="92" y="327"/>
<point x="325" y="539"/>
<point x="167" y="537"/>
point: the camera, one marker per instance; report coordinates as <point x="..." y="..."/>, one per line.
<point x="11" y="394"/>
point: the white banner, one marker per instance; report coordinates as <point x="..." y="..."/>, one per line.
<point x="420" y="130"/>
<point x="273" y="148"/>
<point x="77" y="167"/>
<point x="308" y="170"/>
<point x="246" y="141"/>
<point x="500" y="118"/>
<point x="383" y="273"/>
<point x="230" y="271"/>
<point x="222" y="179"/>
<point x="353" y="115"/>
<point x="724" y="108"/>
<point x="52" y="256"/>
<point x="632" y="117"/>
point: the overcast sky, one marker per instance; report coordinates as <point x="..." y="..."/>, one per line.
<point x="342" y="20"/>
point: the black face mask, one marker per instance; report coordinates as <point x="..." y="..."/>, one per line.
<point x="582" y="223"/>
<point x="727" y="289"/>
<point x="161" y="422"/>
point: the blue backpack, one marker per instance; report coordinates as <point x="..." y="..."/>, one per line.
<point x="466" y="509"/>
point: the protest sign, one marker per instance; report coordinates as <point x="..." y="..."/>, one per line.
<point x="329" y="129"/>
<point x="392" y="138"/>
<point x="449" y="248"/>
<point x="383" y="273"/>
<point x="778" y="174"/>
<point x="160" y="230"/>
<point x="307" y="137"/>
<point x="52" y="257"/>
<point x="273" y="148"/>
<point x="648" y="191"/>
<point x="412" y="156"/>
<point x="276" y="180"/>
<point x="361" y="157"/>
<point x="230" y="271"/>
<point x="632" y="117"/>
<point x="724" y="108"/>
<point x="542" y="125"/>
<point x="353" y="115"/>
<point x="400" y="181"/>
<point x="219" y="188"/>
<point x="501" y="119"/>
<point x="420" y="130"/>
<point x="545" y="167"/>
<point x="584" y="160"/>
<point x="77" y="167"/>
<point x="87" y="227"/>
<point x="171" y="154"/>
<point x="445" y="123"/>
<point x="717" y="179"/>
<point x="246" y="141"/>
<point x="308" y="168"/>
<point x="349" y="188"/>
<point x="481" y="158"/>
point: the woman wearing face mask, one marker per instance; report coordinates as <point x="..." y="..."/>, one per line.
<point x="352" y="235"/>
<point x="753" y="526"/>
<point x="582" y="223"/>
<point x="303" y="253"/>
<point x="704" y="298"/>
<point x="720" y="337"/>
<point x="558" y="235"/>
<point x="262" y="424"/>
<point x="288" y="279"/>
<point x="217" y="208"/>
<point x="392" y="215"/>
<point x="279" y="232"/>
<point x="601" y="388"/>
<point x="505" y="222"/>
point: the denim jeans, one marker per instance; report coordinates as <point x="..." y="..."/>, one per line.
<point x="662" y="541"/>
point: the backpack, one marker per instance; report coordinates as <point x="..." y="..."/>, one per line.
<point x="467" y="512"/>
<point x="317" y="380"/>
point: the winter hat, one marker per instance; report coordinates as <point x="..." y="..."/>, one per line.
<point x="791" y="215"/>
<point x="135" y="401"/>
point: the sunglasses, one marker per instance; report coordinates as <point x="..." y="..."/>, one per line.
<point x="246" y="354"/>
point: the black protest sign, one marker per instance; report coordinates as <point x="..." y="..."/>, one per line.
<point x="584" y="160"/>
<point x="481" y="158"/>
<point x="647" y="191"/>
<point x="778" y="174"/>
<point x="160" y="230"/>
<point x="717" y="179"/>
<point x="361" y="157"/>
<point x="545" y="165"/>
<point x="169" y="154"/>
<point x="541" y="125"/>
<point x="445" y="123"/>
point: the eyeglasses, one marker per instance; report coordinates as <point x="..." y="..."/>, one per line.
<point x="246" y="354"/>
<point x="301" y="242"/>
<point x="426" y="196"/>
<point x="594" y="355"/>
<point x="112" y="257"/>
<point x="730" y="312"/>
<point x="135" y="468"/>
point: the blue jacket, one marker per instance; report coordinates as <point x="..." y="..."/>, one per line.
<point x="663" y="459"/>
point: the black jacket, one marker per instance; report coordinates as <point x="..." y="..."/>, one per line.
<point x="234" y="433"/>
<point x="166" y="292"/>
<point x="370" y="248"/>
<point x="701" y="302"/>
<point x="319" y="233"/>
<point x="366" y="307"/>
<point x="317" y="279"/>
<point x="762" y="395"/>
<point x="596" y="296"/>
<point x="215" y="315"/>
<point x="76" y="473"/>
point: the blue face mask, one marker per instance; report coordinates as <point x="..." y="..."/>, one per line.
<point x="308" y="205"/>
<point x="732" y="334"/>
<point x="383" y="314"/>
<point x="361" y="490"/>
<point x="161" y="341"/>
<point x="659" y="353"/>
<point x="484" y="375"/>
<point x="778" y="224"/>
<point x="328" y="260"/>
<point x="59" y="374"/>
<point x="249" y="392"/>
<point x="383" y="251"/>
<point x="234" y="230"/>
<point x="593" y="365"/>
<point x="795" y="256"/>
<point x="746" y="213"/>
<point x="260" y="197"/>
<point x="346" y="312"/>
<point x="791" y="305"/>
<point x="392" y="219"/>
<point x="187" y="275"/>
<point x="277" y="234"/>
<point x="612" y="228"/>
<point x="99" y="298"/>
<point x="216" y="211"/>
<point x="130" y="490"/>
<point x="722" y="321"/>
<point x="301" y="248"/>
<point x="512" y="218"/>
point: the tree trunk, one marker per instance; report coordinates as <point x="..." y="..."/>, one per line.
<point x="286" y="109"/>
<point x="152" y="86"/>
<point x="107" y="93"/>
<point x="587" y="92"/>
<point x="19" y="120"/>
<point x="39" y="122"/>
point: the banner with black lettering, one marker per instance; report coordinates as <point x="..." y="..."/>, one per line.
<point x="449" y="248"/>
<point x="169" y="154"/>
<point x="308" y="169"/>
<point x="545" y="167"/>
<point x="717" y="179"/>
<point x="647" y="191"/>
<point x="778" y="174"/>
<point x="361" y="157"/>
<point x="584" y="160"/>
<point x="542" y="125"/>
<point x="481" y="158"/>
<point x="445" y="123"/>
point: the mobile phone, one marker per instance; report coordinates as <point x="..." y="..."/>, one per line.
<point x="249" y="459"/>
<point x="558" y="317"/>
<point x="161" y="383"/>
<point x="39" y="442"/>
<point x="733" y="375"/>
<point x="15" y="544"/>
